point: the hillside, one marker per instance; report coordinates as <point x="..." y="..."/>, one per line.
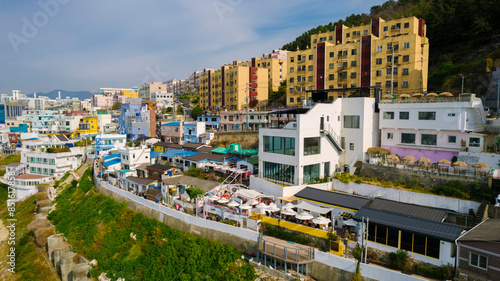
<point x="73" y="94"/>
<point x="462" y="35"/>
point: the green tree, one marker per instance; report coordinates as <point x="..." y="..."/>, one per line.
<point x="193" y="192"/>
<point x="116" y="106"/>
<point x="197" y="111"/>
<point x="179" y="109"/>
<point x="170" y="109"/>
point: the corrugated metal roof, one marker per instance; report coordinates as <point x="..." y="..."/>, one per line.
<point x="422" y="212"/>
<point x="112" y="162"/>
<point x="332" y="198"/>
<point x="443" y="231"/>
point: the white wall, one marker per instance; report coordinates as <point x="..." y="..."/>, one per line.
<point x="457" y="205"/>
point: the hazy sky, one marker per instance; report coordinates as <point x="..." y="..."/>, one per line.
<point x="85" y="45"/>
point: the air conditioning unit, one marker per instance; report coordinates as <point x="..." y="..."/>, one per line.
<point x="462" y="276"/>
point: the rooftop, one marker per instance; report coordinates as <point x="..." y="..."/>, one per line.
<point x="205" y="185"/>
<point x="30" y="177"/>
<point x="138" y="180"/>
<point x="332" y="198"/>
<point x="160" y="167"/>
<point x="487" y="231"/>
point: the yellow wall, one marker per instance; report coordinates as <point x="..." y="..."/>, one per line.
<point x="158" y="148"/>
<point x="130" y="94"/>
<point x="93" y="127"/>
<point x="304" y="229"/>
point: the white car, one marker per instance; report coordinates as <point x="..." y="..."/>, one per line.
<point x="487" y="111"/>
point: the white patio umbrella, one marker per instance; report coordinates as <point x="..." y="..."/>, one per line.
<point x="321" y="220"/>
<point x="289" y="205"/>
<point x="262" y="207"/>
<point x="304" y="216"/>
<point x="214" y="198"/>
<point x="289" y="212"/>
<point x="223" y="200"/>
<point x="273" y="208"/>
<point x="255" y="202"/>
<point x="245" y="207"/>
<point x="350" y="222"/>
<point x="233" y="204"/>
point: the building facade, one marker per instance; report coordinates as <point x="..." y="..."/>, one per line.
<point x="393" y="55"/>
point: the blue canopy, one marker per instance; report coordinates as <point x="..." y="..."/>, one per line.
<point x="112" y="162"/>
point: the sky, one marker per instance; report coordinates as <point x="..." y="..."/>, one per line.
<point x="79" y="45"/>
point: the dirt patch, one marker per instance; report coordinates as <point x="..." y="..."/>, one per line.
<point x="247" y="140"/>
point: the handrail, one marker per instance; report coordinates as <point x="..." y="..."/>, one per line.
<point x="334" y="135"/>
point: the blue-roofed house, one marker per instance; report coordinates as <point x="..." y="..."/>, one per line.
<point x="172" y="132"/>
<point x="113" y="164"/>
<point x="176" y="157"/>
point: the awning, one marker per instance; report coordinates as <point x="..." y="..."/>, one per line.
<point x="287" y="198"/>
<point x="250" y="194"/>
<point x="312" y="208"/>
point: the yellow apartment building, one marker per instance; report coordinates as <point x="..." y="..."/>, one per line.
<point x="88" y="125"/>
<point x="393" y="55"/>
<point x="276" y="65"/>
<point x="130" y="93"/>
<point x="233" y="87"/>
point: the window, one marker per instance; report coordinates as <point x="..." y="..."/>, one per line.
<point x="311" y="57"/>
<point x="310" y="68"/>
<point x="331" y="65"/>
<point x="351" y="121"/>
<point x="405" y="84"/>
<point x="353" y="52"/>
<point x="279" y="145"/>
<point x="406" y="71"/>
<point x="406" y="25"/>
<point x="353" y="63"/>
<point x="291" y="99"/>
<point x="331" y="76"/>
<point x="474" y="142"/>
<point x="478" y="260"/>
<point x="390" y="136"/>
<point x="292" y="79"/>
<point x="389" y="58"/>
<point x="404" y="115"/>
<point x="386" y="28"/>
<point x="408" y="138"/>
<point x="452" y="139"/>
<point x="330" y="38"/>
<point x="291" y="89"/>
<point x="406" y="45"/>
<point x="279" y="172"/>
<point x="451" y="114"/>
<point x="389" y="46"/>
<point x="351" y="146"/>
<point x="379" y="48"/>
<point x="291" y="69"/>
<point x="353" y="74"/>
<point x="427" y="139"/>
<point x="388" y="115"/>
<point x="378" y="61"/>
<point x="311" y="173"/>
<point x="348" y="35"/>
<point x="310" y="78"/>
<point x="326" y="170"/>
<point x="311" y="146"/>
<point x="340" y="54"/>
<point x="379" y="73"/>
<point x="406" y="58"/>
<point x="427" y="115"/>
<point x="315" y="40"/>
<point x="331" y="54"/>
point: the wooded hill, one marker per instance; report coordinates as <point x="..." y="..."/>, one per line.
<point x="462" y="34"/>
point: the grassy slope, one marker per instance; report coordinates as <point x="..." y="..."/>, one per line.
<point x="99" y="228"/>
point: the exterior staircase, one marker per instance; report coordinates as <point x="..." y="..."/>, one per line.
<point x="480" y="215"/>
<point x="333" y="138"/>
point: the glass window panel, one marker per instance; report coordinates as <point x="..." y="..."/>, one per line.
<point x="427" y="115"/>
<point x="406" y="240"/>
<point x="419" y="244"/>
<point x="404" y="115"/>
<point x="381" y="234"/>
<point x="408" y="138"/>
<point x="311" y="146"/>
<point x="311" y="173"/>
<point x="433" y="247"/>
<point x="371" y="232"/>
<point x="393" y="237"/>
<point x="388" y="115"/>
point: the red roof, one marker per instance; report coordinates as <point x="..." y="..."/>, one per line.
<point x="30" y="177"/>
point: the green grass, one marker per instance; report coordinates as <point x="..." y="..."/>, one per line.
<point x="10" y="159"/>
<point x="29" y="264"/>
<point x="99" y="228"/>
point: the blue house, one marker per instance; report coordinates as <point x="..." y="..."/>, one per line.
<point x="134" y="120"/>
<point x="22" y="128"/>
<point x="193" y="132"/>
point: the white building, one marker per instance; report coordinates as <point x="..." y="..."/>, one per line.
<point x="434" y="129"/>
<point x="163" y="99"/>
<point x="54" y="164"/>
<point x="324" y="138"/>
<point x="132" y="157"/>
<point x="107" y="142"/>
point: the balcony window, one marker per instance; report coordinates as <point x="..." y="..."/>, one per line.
<point x="474" y="142"/>
<point x="279" y="145"/>
<point x="311" y="173"/>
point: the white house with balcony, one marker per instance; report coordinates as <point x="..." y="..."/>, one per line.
<point x="54" y="164"/>
<point x="324" y="138"/>
<point x="163" y="99"/>
<point x="132" y="157"/>
<point x="434" y="129"/>
<point x="104" y="143"/>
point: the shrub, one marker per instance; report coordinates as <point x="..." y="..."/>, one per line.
<point x="452" y="189"/>
<point x="357" y="252"/>
<point x="400" y="260"/>
<point x="442" y="272"/>
<point x="356" y="276"/>
<point x="275" y="232"/>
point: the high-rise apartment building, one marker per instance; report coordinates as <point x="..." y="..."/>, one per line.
<point x="233" y="87"/>
<point x="145" y="90"/>
<point x="276" y="65"/>
<point x="391" y="54"/>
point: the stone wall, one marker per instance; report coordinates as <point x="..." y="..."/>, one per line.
<point x="407" y="176"/>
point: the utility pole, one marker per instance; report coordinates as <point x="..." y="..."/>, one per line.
<point x="498" y="94"/>
<point x="463" y="85"/>
<point x="366" y="244"/>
